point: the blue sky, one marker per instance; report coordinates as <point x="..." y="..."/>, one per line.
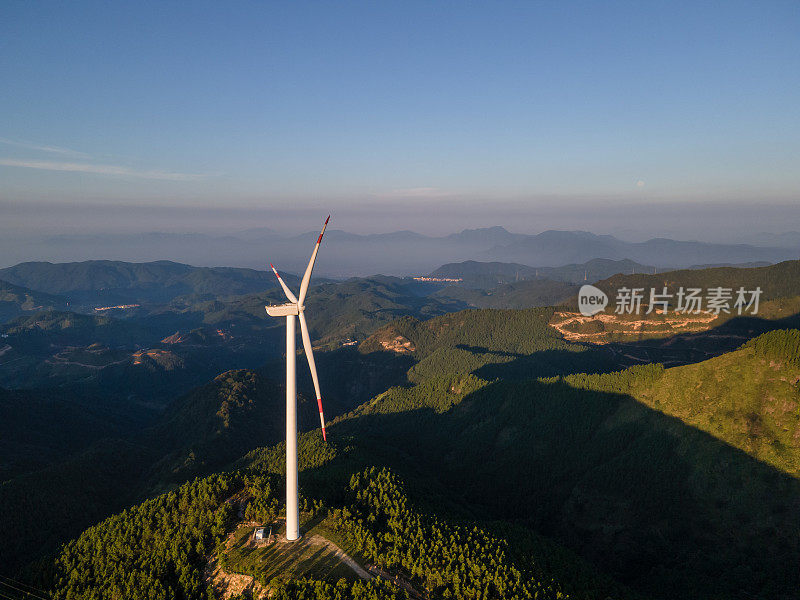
<point x="425" y="104"/>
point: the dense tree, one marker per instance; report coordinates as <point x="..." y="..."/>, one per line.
<point x="153" y="551"/>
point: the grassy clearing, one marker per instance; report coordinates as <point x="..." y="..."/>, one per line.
<point x="307" y="557"/>
<point x="325" y="529"/>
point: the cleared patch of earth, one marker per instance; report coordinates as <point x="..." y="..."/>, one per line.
<point x="229" y="585"/>
<point x="604" y="328"/>
<point x="399" y="344"/>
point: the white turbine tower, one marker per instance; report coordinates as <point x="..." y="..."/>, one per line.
<point x="290" y="310"/>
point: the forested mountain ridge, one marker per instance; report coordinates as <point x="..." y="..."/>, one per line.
<point x="776" y="281"/>
<point x="164" y="351"/>
<point x="37" y="429"/>
<point x="628" y="468"/>
<point x="345" y="311"/>
<point x="139" y="363"/>
<point x="201" y="431"/>
<point x="105" y="282"/>
<point x="16" y="300"/>
<point x="157" y="550"/>
<point x="660" y="477"/>
<point x="521" y="294"/>
<point x="483" y="273"/>
<point x="749" y="301"/>
<point x="625" y="468"/>
<point x="514" y="343"/>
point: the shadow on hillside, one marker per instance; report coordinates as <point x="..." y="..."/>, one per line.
<point x="545" y="363"/>
<point x="687" y="348"/>
<point x="663" y="506"/>
<point x="348" y="378"/>
<point x="671" y="351"/>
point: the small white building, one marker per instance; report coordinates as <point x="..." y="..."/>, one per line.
<point x="259" y="534"/>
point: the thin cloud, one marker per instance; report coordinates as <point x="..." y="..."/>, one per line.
<point x="418" y="192"/>
<point x="42" y="148"/>
<point x="72" y="167"/>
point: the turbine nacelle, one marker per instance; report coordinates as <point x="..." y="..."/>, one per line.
<point x="284" y="310"/>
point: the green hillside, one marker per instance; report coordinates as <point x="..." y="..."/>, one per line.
<point x="749" y="398"/>
<point x="337" y="312"/>
<point x="140" y="362"/>
<point x="649" y="472"/>
<point x="107" y="282"/>
<point x="523" y="294"/>
<point x="663" y="478"/>
<point x="203" y="431"/>
<point x="781" y="280"/>
<point x="37" y="429"/>
<point x="60" y="327"/>
<point x="158" y="549"/>
<point x="481" y="429"/>
<point x="17" y="300"/>
<point x="58" y="450"/>
<point x="491" y="343"/>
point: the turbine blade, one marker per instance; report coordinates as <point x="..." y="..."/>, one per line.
<point x="285" y="287"/>
<point x="313" y="367"/>
<point x="307" y="276"/>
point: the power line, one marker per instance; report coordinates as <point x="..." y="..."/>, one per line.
<point x="8" y="597"/>
<point x="25" y="585"/>
<point x="27" y="593"/>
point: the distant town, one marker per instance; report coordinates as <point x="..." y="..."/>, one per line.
<point x="439" y="279"/>
<point x="118" y="307"/>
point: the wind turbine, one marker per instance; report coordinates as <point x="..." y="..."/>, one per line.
<point x="290" y="310"/>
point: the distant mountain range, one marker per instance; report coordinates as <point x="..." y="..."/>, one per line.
<point x="559" y="247"/>
<point x="397" y="253"/>
<point x="106" y="283"/>
<point x="788" y="239"/>
<point x="479" y="274"/>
